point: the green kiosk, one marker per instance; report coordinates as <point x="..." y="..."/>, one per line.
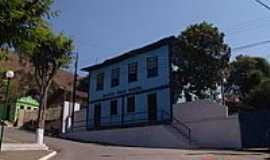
<point x="10" y="111"/>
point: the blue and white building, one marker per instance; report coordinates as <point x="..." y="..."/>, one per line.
<point x="132" y="89"/>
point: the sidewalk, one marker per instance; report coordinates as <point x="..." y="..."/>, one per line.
<point x="24" y="144"/>
<point x="14" y="135"/>
<point x="23" y="155"/>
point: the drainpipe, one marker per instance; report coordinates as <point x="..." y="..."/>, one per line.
<point x="122" y="111"/>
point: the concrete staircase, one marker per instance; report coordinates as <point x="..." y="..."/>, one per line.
<point x="155" y="136"/>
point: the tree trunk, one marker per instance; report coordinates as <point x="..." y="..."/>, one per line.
<point x="42" y="115"/>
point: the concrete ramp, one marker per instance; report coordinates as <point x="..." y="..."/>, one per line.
<point x="155" y="136"/>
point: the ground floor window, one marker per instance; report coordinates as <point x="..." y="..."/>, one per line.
<point x="131" y="104"/>
<point x="114" y="107"/>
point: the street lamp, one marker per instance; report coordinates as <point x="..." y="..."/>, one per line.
<point x="9" y="76"/>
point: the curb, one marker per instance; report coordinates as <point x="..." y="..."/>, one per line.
<point x="23" y="147"/>
<point x="47" y="157"/>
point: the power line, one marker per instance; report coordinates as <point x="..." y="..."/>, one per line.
<point x="251" y="45"/>
<point x="263" y="4"/>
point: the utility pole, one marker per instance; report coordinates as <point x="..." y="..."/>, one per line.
<point x="74" y="89"/>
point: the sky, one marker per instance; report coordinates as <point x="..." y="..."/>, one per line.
<point x="102" y="29"/>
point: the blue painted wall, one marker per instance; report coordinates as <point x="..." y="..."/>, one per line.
<point x="143" y="83"/>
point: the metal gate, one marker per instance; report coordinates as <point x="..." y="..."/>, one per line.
<point x="255" y="129"/>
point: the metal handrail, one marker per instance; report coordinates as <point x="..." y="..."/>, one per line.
<point x="187" y="131"/>
<point x="130" y="119"/>
<point x="116" y="120"/>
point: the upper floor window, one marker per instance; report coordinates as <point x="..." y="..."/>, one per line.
<point x="132" y="72"/>
<point x="114" y="107"/>
<point x="131" y="104"/>
<point x="115" y="77"/>
<point x="152" y="66"/>
<point x="100" y="81"/>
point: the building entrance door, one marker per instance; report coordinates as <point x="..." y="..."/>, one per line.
<point x="97" y="116"/>
<point x="152" y="107"/>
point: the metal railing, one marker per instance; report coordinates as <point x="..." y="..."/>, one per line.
<point x="135" y="119"/>
<point x="129" y="119"/>
<point x="181" y="127"/>
<point x="79" y="124"/>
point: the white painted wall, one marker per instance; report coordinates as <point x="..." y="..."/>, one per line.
<point x="210" y="124"/>
<point x="67" y="112"/>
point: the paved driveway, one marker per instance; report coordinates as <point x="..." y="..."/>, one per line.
<point x="68" y="150"/>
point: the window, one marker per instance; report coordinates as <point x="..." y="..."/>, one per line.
<point x="21" y="107"/>
<point x="115" y="77"/>
<point x="132" y="72"/>
<point x="28" y="108"/>
<point x="100" y="81"/>
<point x="152" y="66"/>
<point x="114" y="107"/>
<point x="131" y="104"/>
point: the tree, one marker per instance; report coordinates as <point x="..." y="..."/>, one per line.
<point x="48" y="52"/>
<point x="18" y="18"/>
<point x="247" y="73"/>
<point x="260" y="96"/>
<point x="201" y="57"/>
<point x="251" y="77"/>
<point x="23" y="27"/>
<point x="2" y="77"/>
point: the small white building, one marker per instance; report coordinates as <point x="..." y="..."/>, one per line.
<point x="132" y="89"/>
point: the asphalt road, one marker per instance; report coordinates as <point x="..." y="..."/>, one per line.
<point x="68" y="150"/>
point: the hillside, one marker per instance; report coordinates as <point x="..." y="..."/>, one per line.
<point x="24" y="82"/>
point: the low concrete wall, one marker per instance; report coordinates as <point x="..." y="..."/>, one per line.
<point x="199" y="110"/>
<point x="210" y="124"/>
<point x="217" y="133"/>
<point x="160" y="136"/>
